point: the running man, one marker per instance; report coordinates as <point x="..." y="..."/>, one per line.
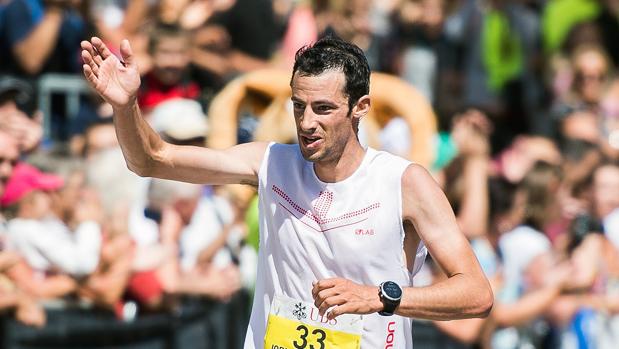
<point x="343" y="228"/>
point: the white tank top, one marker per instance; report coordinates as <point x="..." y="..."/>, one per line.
<point x="312" y="230"/>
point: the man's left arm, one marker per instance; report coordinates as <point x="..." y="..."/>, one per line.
<point x="465" y="293"/>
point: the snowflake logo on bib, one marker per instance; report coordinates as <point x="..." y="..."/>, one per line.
<point x="299" y="311"/>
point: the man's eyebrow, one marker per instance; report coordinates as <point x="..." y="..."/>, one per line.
<point x="324" y="101"/>
<point x="320" y="101"/>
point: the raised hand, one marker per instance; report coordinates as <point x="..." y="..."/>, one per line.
<point x="117" y="81"/>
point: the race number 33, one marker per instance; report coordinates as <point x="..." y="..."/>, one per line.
<point x="296" y="324"/>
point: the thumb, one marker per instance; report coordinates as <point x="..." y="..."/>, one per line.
<point x="126" y="53"/>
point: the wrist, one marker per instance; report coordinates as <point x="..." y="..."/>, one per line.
<point x="376" y="302"/>
<point x="390" y="294"/>
<point x="131" y="104"/>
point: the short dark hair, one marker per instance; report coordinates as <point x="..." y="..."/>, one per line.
<point x="164" y="30"/>
<point x="330" y="53"/>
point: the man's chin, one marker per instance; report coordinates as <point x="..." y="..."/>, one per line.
<point x="310" y="156"/>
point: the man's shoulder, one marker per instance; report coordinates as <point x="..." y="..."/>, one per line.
<point x="387" y="160"/>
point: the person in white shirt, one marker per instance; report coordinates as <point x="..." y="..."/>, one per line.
<point x="342" y="226"/>
<point x="45" y="241"/>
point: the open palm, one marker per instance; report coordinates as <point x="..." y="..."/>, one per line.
<point x="115" y="80"/>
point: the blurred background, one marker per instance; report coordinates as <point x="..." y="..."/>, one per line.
<point x="513" y="105"/>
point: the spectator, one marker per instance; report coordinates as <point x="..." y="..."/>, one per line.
<point x="423" y="44"/>
<point x="537" y="208"/>
<point x="99" y="136"/>
<point x="42" y="36"/>
<point x="169" y="47"/>
<point x="17" y="113"/>
<point x="156" y="231"/>
<point x="589" y="69"/>
<point x="605" y="198"/>
<point x="468" y="189"/>
<point x="253" y="33"/>
<point x="531" y="278"/>
<point x="45" y="241"/>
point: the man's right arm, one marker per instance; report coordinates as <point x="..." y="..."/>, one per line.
<point x="148" y="155"/>
<point x="145" y="152"/>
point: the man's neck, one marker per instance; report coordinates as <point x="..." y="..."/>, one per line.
<point x="343" y="167"/>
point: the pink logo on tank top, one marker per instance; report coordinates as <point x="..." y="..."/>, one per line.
<point x="317" y="218"/>
<point x="390" y="335"/>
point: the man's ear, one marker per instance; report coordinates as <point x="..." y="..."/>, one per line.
<point x="362" y="107"/>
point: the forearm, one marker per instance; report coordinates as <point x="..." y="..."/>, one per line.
<point x="33" y="51"/>
<point x="140" y="144"/>
<point x="50" y="288"/>
<point x="526" y="308"/>
<point x="457" y="297"/>
<point x="108" y="287"/>
<point x="135" y="14"/>
<point x="473" y="213"/>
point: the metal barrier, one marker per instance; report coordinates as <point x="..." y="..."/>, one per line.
<point x="70" y="85"/>
<point x="194" y="324"/>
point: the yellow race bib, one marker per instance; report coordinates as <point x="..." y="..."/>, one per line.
<point x="296" y="324"/>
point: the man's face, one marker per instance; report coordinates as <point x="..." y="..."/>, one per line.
<point x="9" y="154"/>
<point x="606" y="190"/>
<point x="591" y="70"/>
<point x="170" y="59"/>
<point x="323" y="120"/>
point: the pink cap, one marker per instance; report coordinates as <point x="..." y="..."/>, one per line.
<point x="27" y="178"/>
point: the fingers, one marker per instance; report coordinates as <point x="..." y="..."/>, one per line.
<point x="321" y="296"/>
<point x="126" y="53"/>
<point x="88" y="59"/>
<point x="324" y="284"/>
<point x="339" y="310"/>
<point x="328" y="293"/>
<point x="100" y="47"/>
<point x="330" y="301"/>
<point x="90" y="76"/>
<point x="90" y="66"/>
<point x="87" y="46"/>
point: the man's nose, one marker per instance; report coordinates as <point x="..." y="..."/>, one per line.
<point x="308" y="120"/>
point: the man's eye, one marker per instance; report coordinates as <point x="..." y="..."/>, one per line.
<point x="324" y="108"/>
<point x="298" y="106"/>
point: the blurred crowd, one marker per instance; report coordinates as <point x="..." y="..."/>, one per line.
<point x="524" y="93"/>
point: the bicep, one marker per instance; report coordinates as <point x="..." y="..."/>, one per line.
<point x="236" y="165"/>
<point x="428" y="210"/>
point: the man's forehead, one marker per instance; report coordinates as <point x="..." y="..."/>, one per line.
<point x="329" y="84"/>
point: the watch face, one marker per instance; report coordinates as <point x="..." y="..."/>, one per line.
<point x="392" y="290"/>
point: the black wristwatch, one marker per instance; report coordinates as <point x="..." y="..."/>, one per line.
<point x="390" y="294"/>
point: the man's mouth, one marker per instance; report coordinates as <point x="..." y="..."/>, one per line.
<point x="311" y="141"/>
